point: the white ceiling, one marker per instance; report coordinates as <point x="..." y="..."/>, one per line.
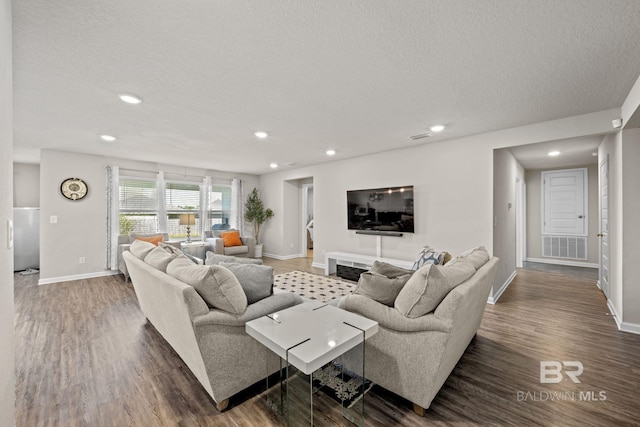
<point x="573" y="152"/>
<point x="356" y="76"/>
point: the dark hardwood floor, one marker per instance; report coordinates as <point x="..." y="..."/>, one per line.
<point x="85" y="356"/>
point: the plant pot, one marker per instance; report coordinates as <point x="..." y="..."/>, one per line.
<point x="258" y="251"/>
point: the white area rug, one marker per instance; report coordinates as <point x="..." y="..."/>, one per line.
<point x="313" y="286"/>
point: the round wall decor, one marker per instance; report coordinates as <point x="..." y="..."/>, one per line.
<point x="74" y="188"/>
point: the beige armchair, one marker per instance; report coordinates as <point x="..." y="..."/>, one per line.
<point x="217" y="245"/>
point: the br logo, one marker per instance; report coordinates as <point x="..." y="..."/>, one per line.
<point x="551" y="371"/>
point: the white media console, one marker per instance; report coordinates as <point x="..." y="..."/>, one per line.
<point x="363" y="262"/>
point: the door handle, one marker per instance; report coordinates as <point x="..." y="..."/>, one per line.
<point x="580" y="216"/>
<point x="599" y="234"/>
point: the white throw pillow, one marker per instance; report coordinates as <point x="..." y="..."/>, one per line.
<point x="141" y="249"/>
<point x="159" y="258"/>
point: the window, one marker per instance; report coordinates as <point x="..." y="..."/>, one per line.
<point x="148" y="206"/>
<point x="182" y="198"/>
<point x="219" y="207"/>
<point x="138" y="206"/>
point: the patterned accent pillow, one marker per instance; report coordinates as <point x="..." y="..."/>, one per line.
<point x="428" y="255"/>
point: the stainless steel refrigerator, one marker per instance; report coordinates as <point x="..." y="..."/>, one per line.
<point x="26" y="238"/>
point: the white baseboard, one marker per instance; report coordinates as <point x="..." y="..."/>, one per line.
<point x="598" y="284"/>
<point x="564" y="262"/>
<point x="633" y="328"/>
<point x="494" y="298"/>
<point x="51" y="280"/>
<point x="283" y="257"/>
<point x="318" y="265"/>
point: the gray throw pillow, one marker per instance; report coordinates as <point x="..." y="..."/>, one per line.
<point x="159" y="258"/>
<point x="141" y="249"/>
<point x="256" y="280"/>
<point x="380" y="288"/>
<point x="215" y="284"/>
<point x="429" y="286"/>
<point x="214" y="259"/>
<point x="477" y="257"/>
<point x="388" y="270"/>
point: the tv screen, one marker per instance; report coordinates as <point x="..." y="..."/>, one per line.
<point x="381" y="209"/>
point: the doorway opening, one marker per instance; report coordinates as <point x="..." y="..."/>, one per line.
<point x="306" y="209"/>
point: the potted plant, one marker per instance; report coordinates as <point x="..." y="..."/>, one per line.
<point x="256" y="215"/>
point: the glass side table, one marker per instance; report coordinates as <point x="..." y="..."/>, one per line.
<point x="309" y="338"/>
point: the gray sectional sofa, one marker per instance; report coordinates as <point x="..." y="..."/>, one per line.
<point x="414" y="351"/>
<point x="211" y="341"/>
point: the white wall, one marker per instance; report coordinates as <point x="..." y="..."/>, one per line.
<point x="453" y="189"/>
<point x="26" y="185"/>
<point x="631" y="234"/>
<point x="7" y="341"/>
<point x="81" y="227"/>
<point x="534" y="213"/>
<point x="506" y="172"/>
<point x="611" y="147"/>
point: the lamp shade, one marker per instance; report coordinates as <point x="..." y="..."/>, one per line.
<point x="187" y="219"/>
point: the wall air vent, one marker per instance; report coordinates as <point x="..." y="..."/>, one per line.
<point x="421" y="136"/>
<point x="566" y="247"/>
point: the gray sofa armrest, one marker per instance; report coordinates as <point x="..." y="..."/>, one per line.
<point x="122" y="266"/>
<point x="390" y="318"/>
<point x="250" y="242"/>
<point x="275" y="302"/>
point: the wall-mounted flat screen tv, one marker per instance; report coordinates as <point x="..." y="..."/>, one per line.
<point x="387" y="209"/>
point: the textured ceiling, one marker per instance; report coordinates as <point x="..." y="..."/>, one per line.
<point x="573" y="152"/>
<point x="358" y="77"/>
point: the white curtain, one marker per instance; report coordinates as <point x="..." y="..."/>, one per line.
<point x="113" y="215"/>
<point x="162" y="211"/>
<point x="205" y="208"/>
<point x="237" y="205"/>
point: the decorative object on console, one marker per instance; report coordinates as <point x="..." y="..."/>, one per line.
<point x="74" y="189"/>
<point x="256" y="214"/>
<point x="188" y="219"/>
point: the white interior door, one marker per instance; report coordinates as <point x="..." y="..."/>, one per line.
<point x="565" y="201"/>
<point x="604" y="226"/>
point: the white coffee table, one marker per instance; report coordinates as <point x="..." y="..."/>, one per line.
<point x="309" y="336"/>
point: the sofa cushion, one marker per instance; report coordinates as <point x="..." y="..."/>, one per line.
<point x="214" y="259"/>
<point x="477" y="256"/>
<point x="429" y="286"/>
<point x="140" y="248"/>
<point x="231" y="238"/>
<point x="388" y="270"/>
<point x="215" y="284"/>
<point x="236" y="250"/>
<point x="159" y="258"/>
<point x="381" y="288"/>
<point x="256" y="280"/>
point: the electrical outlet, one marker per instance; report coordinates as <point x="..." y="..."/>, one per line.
<point x="82" y="260"/>
<point x="53" y="219"/>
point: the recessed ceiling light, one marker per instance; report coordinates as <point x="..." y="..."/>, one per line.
<point x="130" y="99"/>
<point x="331" y="152"/>
<point x="261" y="134"/>
<point x="437" y="128"/>
<point x="553" y="153"/>
<point x="107" y="138"/>
<point x="273" y="165"/>
<point x="594" y="154"/>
